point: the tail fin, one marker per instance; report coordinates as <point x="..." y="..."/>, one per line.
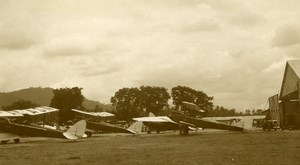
<point x="136" y="127"/>
<point x="76" y="131"/>
<point x="151" y="114"/>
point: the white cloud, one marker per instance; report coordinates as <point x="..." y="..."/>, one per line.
<point x="287" y="35"/>
<point x="231" y="50"/>
<point x="70" y="46"/>
<point x="275" y="67"/>
<point x="17" y="34"/>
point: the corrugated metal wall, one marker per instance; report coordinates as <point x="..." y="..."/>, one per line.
<point x="274" y="107"/>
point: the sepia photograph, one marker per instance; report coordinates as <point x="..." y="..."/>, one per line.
<point x="149" y="82"/>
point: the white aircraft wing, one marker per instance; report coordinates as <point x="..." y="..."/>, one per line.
<point x="97" y="114"/>
<point x="10" y="114"/>
<point x="103" y="114"/>
<point x="35" y="111"/>
<point x="192" y="106"/>
<point x="24" y="112"/>
<point x="45" y="109"/>
<point x="159" y="119"/>
<point x="82" y="112"/>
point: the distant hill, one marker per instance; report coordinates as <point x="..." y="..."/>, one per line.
<point x="42" y="96"/>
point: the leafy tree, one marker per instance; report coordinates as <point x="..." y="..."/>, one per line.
<point x="221" y="111"/>
<point x="66" y="99"/>
<point x="154" y="99"/>
<point x="182" y="93"/>
<point x="258" y="112"/>
<point x="127" y="103"/>
<point x="133" y="102"/>
<point x="253" y="112"/>
<point x="248" y="112"/>
<point x="20" y="104"/>
<point x="98" y="108"/>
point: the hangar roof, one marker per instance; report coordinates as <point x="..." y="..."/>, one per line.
<point x="295" y="64"/>
<point x="291" y="78"/>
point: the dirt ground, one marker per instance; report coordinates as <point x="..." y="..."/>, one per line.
<point x="206" y="147"/>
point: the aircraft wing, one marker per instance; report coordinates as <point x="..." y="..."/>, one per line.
<point x="10" y="114"/>
<point x="97" y="114"/>
<point x="34" y="111"/>
<point x="201" y="123"/>
<point x="220" y="119"/>
<point x="158" y="123"/>
<point x="157" y="119"/>
<point x="192" y="106"/>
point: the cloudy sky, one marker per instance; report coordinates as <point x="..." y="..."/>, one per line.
<point x="234" y="50"/>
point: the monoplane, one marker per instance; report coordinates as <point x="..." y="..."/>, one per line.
<point x="184" y="120"/>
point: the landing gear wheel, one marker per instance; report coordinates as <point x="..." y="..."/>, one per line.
<point x="148" y="129"/>
<point x="17" y="140"/>
<point x="89" y="134"/>
<point x="157" y="131"/>
<point x="4" y="141"/>
<point x="181" y="132"/>
<point x="184" y="130"/>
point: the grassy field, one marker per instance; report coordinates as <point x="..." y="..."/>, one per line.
<point x="282" y="147"/>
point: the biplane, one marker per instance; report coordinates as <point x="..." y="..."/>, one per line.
<point x="12" y="128"/>
<point x="105" y="127"/>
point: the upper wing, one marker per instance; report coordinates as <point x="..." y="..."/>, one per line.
<point x="158" y="119"/>
<point x="99" y="114"/>
<point x="192" y="106"/>
<point x="9" y="114"/>
<point x="32" y="111"/>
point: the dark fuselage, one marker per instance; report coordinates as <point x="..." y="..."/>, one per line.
<point x="28" y="130"/>
<point x="106" y="127"/>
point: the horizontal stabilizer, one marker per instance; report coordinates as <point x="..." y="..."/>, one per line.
<point x="76" y="131"/>
<point x="136" y="127"/>
<point x="70" y="136"/>
<point x="151" y="114"/>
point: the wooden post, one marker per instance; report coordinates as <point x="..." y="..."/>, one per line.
<point x="298" y="85"/>
<point x="44" y="120"/>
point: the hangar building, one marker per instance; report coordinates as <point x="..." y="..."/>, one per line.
<point x="286" y="107"/>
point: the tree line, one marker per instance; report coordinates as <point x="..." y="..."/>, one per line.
<point x="135" y="102"/>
